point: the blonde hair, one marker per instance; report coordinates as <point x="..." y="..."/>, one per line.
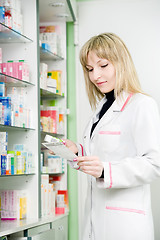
<point x="109" y="46"/>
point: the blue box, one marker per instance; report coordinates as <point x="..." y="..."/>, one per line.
<point x="2" y="89"/>
<point x="3" y="164"/>
<point x="6" y="103"/>
<point x="2" y="14"/>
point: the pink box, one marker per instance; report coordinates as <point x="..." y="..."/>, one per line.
<point x="0" y="67"/>
<point x="21" y="70"/>
<point x="60" y="210"/>
<point x="0" y="55"/>
<point x="8" y="204"/>
<point x="4" y="68"/>
<point x="15" y="69"/>
<point x="27" y="72"/>
<point x="10" y="69"/>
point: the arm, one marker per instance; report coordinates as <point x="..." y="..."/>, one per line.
<point x="145" y="166"/>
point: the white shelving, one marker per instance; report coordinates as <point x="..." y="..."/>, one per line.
<point x="55" y="62"/>
<point x="16" y="46"/>
<point x="25" y="46"/>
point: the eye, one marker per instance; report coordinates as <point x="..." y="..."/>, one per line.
<point x="89" y="70"/>
<point x="103" y="66"/>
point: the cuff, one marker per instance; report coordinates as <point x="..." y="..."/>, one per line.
<point x="105" y="182"/>
<point x="80" y="150"/>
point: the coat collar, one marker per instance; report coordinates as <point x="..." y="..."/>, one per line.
<point x="117" y="107"/>
<point x="121" y="102"/>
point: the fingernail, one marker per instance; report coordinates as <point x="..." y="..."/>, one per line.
<point x="75" y="160"/>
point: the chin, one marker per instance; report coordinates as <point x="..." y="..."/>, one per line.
<point x="105" y="91"/>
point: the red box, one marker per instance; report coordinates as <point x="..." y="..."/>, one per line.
<point x="59" y="210"/>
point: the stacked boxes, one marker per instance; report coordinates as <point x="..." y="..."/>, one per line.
<point x="53" y="120"/>
<point x="43" y="75"/>
<point x="53" y="164"/>
<point x="13" y="204"/>
<point x="47" y="197"/>
<point x="6" y="110"/>
<point x="61" y="195"/>
<point x="50" y="38"/>
<point x="57" y="75"/>
<point x="16" y="69"/>
<point x="12" y="108"/>
<point x="18" y="161"/>
<point x="51" y="84"/>
<point x="10" y="14"/>
<point x="49" y="119"/>
<point x="50" y="81"/>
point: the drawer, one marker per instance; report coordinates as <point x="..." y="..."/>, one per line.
<point x="61" y="228"/>
<point x="36" y="230"/>
<point x="49" y="235"/>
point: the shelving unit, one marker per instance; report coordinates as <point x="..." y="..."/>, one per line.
<point x="49" y="56"/>
<point x="9" y="35"/>
<point x="56" y="62"/>
<point x="16" y="46"/>
<point x="14" y="82"/>
<point x="26" y="47"/>
<point x="46" y="95"/>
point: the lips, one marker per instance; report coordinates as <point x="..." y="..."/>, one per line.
<point x="100" y="83"/>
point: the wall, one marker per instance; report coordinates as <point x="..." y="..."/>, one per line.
<point x="71" y="130"/>
<point x="137" y="23"/>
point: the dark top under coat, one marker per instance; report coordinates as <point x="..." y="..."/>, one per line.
<point x="109" y="100"/>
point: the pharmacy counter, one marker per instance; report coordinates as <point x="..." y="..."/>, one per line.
<point x="56" y="227"/>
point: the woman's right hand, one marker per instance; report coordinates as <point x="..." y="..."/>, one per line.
<point x="71" y="145"/>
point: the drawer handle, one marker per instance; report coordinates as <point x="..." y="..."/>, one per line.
<point x="60" y="228"/>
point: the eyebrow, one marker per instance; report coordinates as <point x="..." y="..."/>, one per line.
<point x="87" y="65"/>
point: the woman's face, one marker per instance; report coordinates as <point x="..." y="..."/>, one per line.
<point x="102" y="73"/>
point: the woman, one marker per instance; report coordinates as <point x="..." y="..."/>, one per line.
<point x="121" y="150"/>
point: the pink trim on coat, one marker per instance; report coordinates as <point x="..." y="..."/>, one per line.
<point x="110" y="132"/>
<point x="128" y="98"/>
<point x="125" y="209"/>
<point x="82" y="150"/>
<point x="110" y="175"/>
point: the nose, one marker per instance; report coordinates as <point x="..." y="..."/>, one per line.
<point x="97" y="75"/>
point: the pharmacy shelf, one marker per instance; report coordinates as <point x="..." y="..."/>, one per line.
<point x="47" y="55"/>
<point x="52" y="134"/>
<point x="8" y="35"/>
<point x="17" y="175"/>
<point x="45" y="94"/>
<point x="9" y="227"/>
<point x="14" y="128"/>
<point x="15" y="82"/>
<point x="60" y="173"/>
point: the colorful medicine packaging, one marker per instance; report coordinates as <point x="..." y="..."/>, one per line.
<point x="13" y="204"/>
<point x="16" y="69"/>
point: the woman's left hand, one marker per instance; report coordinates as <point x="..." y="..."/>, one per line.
<point x="91" y="165"/>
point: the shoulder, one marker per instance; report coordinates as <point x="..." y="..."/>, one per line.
<point x="144" y="104"/>
<point x="142" y="100"/>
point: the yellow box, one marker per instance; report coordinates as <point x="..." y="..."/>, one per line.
<point x="57" y="75"/>
<point x="23" y="207"/>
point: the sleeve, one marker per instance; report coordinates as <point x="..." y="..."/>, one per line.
<point x="145" y="166"/>
<point x="81" y="151"/>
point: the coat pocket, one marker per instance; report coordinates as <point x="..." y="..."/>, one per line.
<point x="131" y="210"/>
<point x="109" y="137"/>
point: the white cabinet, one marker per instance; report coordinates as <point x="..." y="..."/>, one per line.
<point x="16" y="46"/>
<point x="53" y="16"/>
<point x="61" y="228"/>
<point x="25" y="46"/>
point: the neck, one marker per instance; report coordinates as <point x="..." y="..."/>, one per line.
<point x="110" y="95"/>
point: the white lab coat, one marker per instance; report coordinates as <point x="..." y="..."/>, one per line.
<point x="127" y="140"/>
